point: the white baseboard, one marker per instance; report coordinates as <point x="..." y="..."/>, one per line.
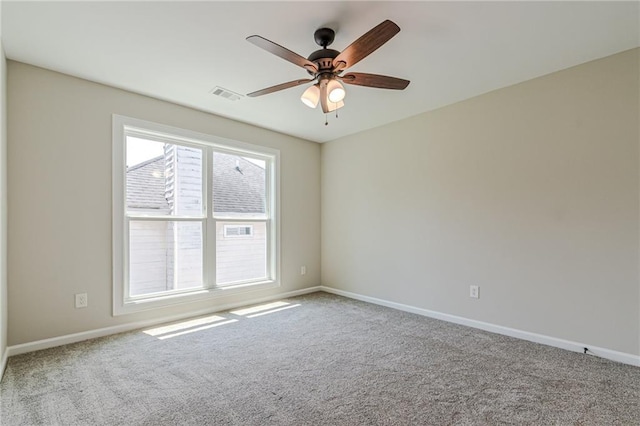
<point x="622" y="357"/>
<point x="101" y="332"/>
<point x="3" y="362"/>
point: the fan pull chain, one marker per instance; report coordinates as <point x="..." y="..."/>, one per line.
<point x="326" y="121"/>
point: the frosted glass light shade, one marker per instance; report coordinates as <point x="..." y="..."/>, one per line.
<point x="334" y="106"/>
<point x="311" y="96"/>
<point x="335" y="91"/>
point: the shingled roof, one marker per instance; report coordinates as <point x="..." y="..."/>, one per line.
<point x="238" y="186"/>
<point x="145" y="187"/>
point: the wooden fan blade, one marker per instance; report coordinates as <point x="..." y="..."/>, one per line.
<point x="365" y="45"/>
<point x="323" y="96"/>
<point x="283" y="52"/>
<point x="374" y="80"/>
<point x="275" y="88"/>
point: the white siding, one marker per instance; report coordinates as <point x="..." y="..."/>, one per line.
<point x="148" y="257"/>
<point x="183" y="179"/>
<point x="241" y="257"/>
<point x="152" y="256"/>
<point x="188" y="239"/>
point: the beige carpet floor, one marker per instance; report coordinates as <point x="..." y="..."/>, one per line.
<point x="316" y="360"/>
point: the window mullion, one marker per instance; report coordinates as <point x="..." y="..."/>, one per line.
<point x="240" y="219"/>
<point x="166" y="218"/>
<point x="211" y="228"/>
<point x="270" y="209"/>
<point x="125" y="251"/>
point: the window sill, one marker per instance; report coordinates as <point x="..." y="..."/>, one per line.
<point x="139" y="305"/>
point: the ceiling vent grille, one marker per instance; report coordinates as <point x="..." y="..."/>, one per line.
<point x="225" y="93"/>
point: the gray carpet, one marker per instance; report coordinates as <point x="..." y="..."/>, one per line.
<point x="319" y="360"/>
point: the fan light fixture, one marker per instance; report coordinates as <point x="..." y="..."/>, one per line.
<point x="311" y="96"/>
<point x="335" y="95"/>
<point x="335" y="91"/>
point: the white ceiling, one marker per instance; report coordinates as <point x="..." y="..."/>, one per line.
<point x="179" y="51"/>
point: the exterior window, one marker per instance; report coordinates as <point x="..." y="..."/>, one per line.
<point x="174" y="239"/>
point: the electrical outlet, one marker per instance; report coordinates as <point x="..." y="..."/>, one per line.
<point x="474" y="291"/>
<point x="81" y="300"/>
<point x="303" y="270"/>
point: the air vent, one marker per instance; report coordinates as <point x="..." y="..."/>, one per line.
<point x="225" y="93"/>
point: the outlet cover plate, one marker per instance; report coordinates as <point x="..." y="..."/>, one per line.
<point x="474" y="291"/>
<point x="81" y="300"/>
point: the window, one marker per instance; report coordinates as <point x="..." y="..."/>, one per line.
<point x="194" y="215"/>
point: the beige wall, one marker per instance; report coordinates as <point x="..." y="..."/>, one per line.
<point x="530" y="192"/>
<point x="59" y="179"/>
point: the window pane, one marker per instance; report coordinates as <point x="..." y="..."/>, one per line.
<point x="164" y="256"/>
<point x="239" y="186"/>
<point x="163" y="179"/>
<point x="241" y="257"/>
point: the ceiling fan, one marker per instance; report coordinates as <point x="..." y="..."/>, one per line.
<point x="326" y="66"/>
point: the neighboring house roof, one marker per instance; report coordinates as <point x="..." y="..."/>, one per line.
<point x="238" y="186"/>
<point x="145" y="186"/>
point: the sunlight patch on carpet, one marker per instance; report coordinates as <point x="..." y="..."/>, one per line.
<point x="259" y="308"/>
<point x="272" y="311"/>
<point x="183" y="325"/>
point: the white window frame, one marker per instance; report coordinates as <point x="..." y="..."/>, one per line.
<point x="123" y="126"/>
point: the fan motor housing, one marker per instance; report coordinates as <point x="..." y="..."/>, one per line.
<point x="323" y="58"/>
